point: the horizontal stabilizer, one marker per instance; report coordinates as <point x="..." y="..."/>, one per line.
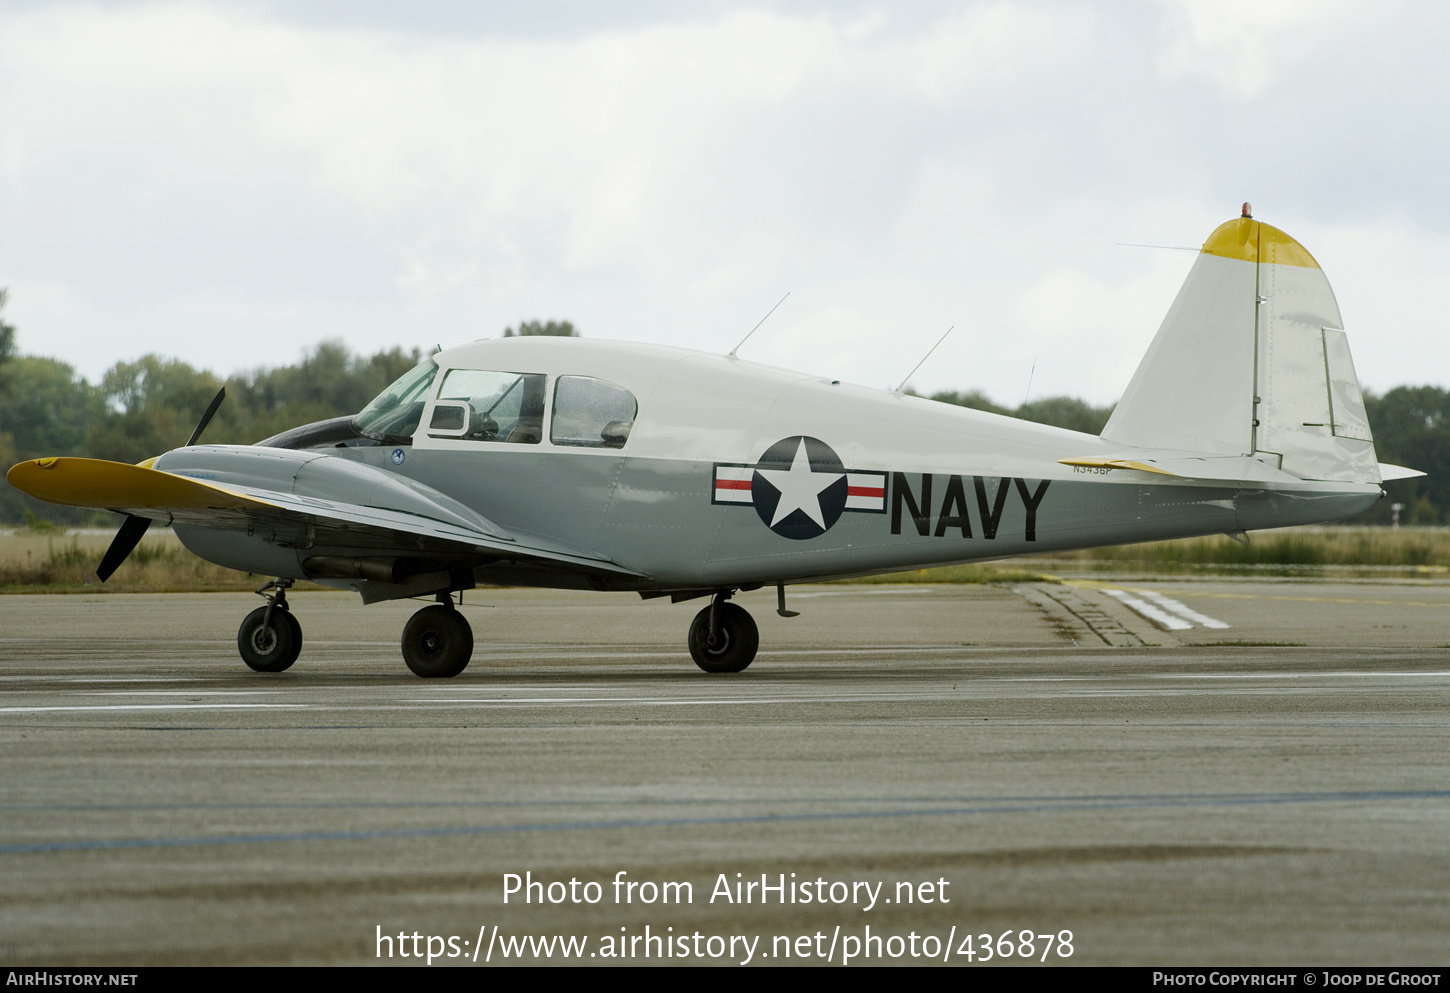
<point x="1101" y="463"/>
<point x="1194" y="465"/>
<point x="1389" y="472"/>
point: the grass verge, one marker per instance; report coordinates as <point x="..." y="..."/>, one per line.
<point x="51" y="560"/>
<point x="1291" y="551"/>
<point x="972" y="573"/>
<point x="54" y="561"/>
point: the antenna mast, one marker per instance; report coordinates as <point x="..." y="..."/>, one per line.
<point x="757" y="327"/>
<point x="933" y="348"/>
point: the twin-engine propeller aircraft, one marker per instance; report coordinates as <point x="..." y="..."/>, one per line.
<point x="599" y="465"/>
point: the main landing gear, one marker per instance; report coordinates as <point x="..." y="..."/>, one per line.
<point x="723" y="637"/>
<point x="437" y="641"/>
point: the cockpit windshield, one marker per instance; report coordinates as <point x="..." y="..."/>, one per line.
<point x="393" y="415"/>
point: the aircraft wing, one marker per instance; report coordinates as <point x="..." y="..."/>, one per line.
<point x="393" y="517"/>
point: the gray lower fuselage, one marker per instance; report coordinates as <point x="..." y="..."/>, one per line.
<point x="658" y="517"/>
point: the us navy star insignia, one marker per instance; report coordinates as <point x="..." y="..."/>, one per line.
<point x="799" y="487"/>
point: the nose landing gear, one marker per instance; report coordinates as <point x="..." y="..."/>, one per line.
<point x="270" y="638"/>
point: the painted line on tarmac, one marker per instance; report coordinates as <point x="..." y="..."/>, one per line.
<point x="48" y="679"/>
<point x="181" y="692"/>
<point x="160" y="706"/>
<point x="654" y="801"/>
<point x="468" y="698"/>
<point x="1296" y="675"/>
<point x="709" y="800"/>
<point x="859" y="696"/>
<point x="1096" y="584"/>
<point x="1068" y="805"/>
<point x="1164" y="611"/>
<point x="1442" y="604"/>
<point x="1182" y="610"/>
<point x="1159" y="617"/>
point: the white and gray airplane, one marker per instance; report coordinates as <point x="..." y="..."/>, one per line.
<point x="597" y="465"/>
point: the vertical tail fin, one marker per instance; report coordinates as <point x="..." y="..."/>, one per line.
<point x="1252" y="359"/>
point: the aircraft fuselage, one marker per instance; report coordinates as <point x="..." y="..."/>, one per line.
<point x="736" y="474"/>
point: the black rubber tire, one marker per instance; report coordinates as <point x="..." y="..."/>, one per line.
<point x="437" y="642"/>
<point x="736" y="639"/>
<point x="273" y="648"/>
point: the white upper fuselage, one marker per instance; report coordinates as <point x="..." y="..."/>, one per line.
<point x="711" y="408"/>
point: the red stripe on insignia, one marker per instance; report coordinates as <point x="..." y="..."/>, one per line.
<point x="866" y="491"/>
<point x="742" y="484"/>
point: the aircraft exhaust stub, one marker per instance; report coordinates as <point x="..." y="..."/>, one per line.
<point x="383" y="570"/>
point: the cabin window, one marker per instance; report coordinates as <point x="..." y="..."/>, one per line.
<point x="590" y="413"/>
<point x="393" y="415"/>
<point x="478" y="405"/>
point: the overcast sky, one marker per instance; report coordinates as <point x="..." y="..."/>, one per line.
<point x="230" y="183"/>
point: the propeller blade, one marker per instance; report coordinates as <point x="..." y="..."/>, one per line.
<point x="216" y="402"/>
<point x="132" y="530"/>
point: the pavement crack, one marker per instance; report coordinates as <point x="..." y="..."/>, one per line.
<point x="1077" y="617"/>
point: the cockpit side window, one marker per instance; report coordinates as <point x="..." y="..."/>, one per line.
<point x="479" y="405"/>
<point x="590" y="413"/>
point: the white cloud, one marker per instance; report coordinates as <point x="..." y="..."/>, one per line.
<point x="176" y="169"/>
<point x="1388" y="276"/>
<point x="1090" y="332"/>
<point x="1245" y="45"/>
<point x="830" y="336"/>
<point x="993" y="49"/>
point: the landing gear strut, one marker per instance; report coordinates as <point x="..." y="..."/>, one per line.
<point x="437" y="641"/>
<point x="270" y="638"/>
<point x="723" y="637"/>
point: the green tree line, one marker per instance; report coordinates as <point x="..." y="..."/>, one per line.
<point x="1411" y="427"/>
<point x="149" y="406"/>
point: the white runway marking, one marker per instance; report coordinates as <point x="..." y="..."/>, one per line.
<point x="180" y="692"/>
<point x="160" y="706"/>
<point x="1164" y="611"/>
<point x="1160" y="617"/>
<point x="1182" y="610"/>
